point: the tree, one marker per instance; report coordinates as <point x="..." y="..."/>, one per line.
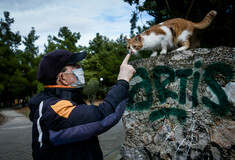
<point x="30" y="61"/>
<point x="65" y="40"/>
<point x="220" y="31"/>
<point x="91" y="90"/>
<point x="9" y="63"/>
<point x="18" y="68"/>
<point x="104" y="59"/>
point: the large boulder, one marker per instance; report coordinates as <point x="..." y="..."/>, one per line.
<point x="182" y="106"/>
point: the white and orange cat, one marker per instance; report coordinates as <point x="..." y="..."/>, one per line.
<point x="168" y="35"/>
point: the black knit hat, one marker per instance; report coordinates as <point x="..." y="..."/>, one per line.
<point x="53" y="62"/>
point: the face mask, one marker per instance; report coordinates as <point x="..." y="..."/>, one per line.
<point x="79" y="74"/>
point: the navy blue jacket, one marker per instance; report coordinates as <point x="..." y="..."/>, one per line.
<point x="64" y="127"/>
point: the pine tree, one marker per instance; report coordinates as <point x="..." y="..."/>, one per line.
<point x="9" y="63"/>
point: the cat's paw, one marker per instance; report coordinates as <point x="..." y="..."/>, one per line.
<point x="153" y="54"/>
<point x="163" y="51"/>
<point x="182" y="48"/>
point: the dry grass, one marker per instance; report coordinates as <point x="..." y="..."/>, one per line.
<point x="24" y="110"/>
<point x="2" y="118"/>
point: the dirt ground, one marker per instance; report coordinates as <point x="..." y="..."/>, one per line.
<point x="23" y="110"/>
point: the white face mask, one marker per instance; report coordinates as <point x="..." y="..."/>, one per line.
<point x="79" y="74"/>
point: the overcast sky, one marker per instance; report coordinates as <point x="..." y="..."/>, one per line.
<point x="110" y="18"/>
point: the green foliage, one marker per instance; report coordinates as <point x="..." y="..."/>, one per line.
<point x="91" y="89"/>
<point x="9" y="41"/>
<point x="39" y="87"/>
<point x="18" y="68"/>
<point x="30" y="48"/>
<point x="66" y="40"/>
<point x="30" y="61"/>
<point x="104" y="58"/>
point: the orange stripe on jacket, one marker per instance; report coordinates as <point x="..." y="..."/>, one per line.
<point x="63" y="108"/>
<point x="58" y="86"/>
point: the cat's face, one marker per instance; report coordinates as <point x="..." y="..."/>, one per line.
<point x="134" y="44"/>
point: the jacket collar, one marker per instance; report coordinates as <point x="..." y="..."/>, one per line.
<point x="66" y="92"/>
<point x="57" y="86"/>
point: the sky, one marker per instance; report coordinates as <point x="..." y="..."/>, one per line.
<point x="110" y="18"/>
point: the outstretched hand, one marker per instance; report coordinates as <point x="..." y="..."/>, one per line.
<point x="126" y="71"/>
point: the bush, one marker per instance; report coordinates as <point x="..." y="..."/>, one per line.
<point x="91" y="90"/>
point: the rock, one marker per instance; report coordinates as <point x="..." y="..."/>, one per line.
<point x="146" y="138"/>
<point x="223" y="134"/>
<point x="182" y="106"/>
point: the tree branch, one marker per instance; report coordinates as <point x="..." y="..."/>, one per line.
<point x="190" y="7"/>
<point x="168" y="7"/>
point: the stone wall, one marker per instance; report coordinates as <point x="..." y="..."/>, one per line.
<point x="182" y="106"/>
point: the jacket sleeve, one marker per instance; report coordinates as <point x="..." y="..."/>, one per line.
<point x="88" y="121"/>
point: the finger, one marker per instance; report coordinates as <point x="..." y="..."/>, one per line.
<point x="134" y="71"/>
<point x="126" y="59"/>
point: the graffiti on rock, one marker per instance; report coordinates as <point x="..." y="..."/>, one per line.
<point x="180" y="113"/>
<point x="146" y="85"/>
<point x="170" y="75"/>
<point x="221" y="68"/>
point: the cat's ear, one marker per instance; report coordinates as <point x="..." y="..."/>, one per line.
<point x="127" y="39"/>
<point x="138" y="38"/>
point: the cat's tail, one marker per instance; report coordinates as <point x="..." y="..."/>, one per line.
<point x="206" y="21"/>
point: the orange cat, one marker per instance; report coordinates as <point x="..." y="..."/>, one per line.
<point x="168" y="35"/>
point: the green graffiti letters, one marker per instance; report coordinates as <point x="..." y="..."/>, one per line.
<point x="195" y="86"/>
<point x="163" y="93"/>
<point x="144" y="84"/>
<point x="197" y="64"/>
<point x="183" y="74"/>
<point x="164" y="75"/>
<point x="224" y="69"/>
<point x="196" y="79"/>
<point x="180" y="113"/>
